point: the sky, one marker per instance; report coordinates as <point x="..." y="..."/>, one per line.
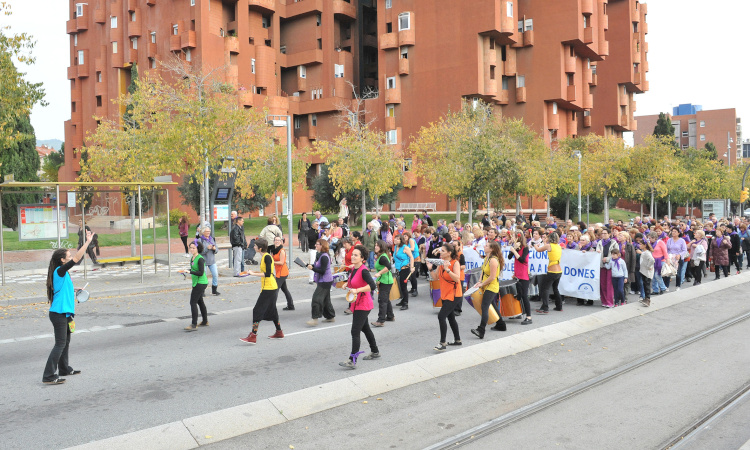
<point x="697" y="54"/>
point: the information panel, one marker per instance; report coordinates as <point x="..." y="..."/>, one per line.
<point x="38" y="222"/>
<point x="715" y="206"/>
<point x="221" y="213"/>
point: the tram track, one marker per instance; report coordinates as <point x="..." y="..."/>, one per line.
<point x="472" y="435"/>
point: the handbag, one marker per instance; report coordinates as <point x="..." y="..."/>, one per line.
<point x="667" y="269"/>
<point x="395" y="290"/>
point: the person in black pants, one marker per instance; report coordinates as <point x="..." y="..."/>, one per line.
<point x="385" y="280"/>
<point x="449" y="275"/>
<point x="360" y="285"/>
<point x="200" y="283"/>
<point x="321" y="299"/>
<point x="89" y="248"/>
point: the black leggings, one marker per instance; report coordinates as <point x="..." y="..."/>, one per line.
<point x="550" y="280"/>
<point x="385" y="308"/>
<point x="698" y="271"/>
<point x="415" y="276"/>
<point x="360" y="324"/>
<point x="718" y="268"/>
<point x="196" y="301"/>
<point x="487" y="302"/>
<point x="403" y="283"/>
<point x="446" y="312"/>
<point x="522" y="286"/>
<point x="184" y="242"/>
<point x="281" y="282"/>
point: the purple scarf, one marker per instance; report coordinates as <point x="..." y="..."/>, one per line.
<point x="586" y="247"/>
<point x="572" y="245"/>
<point x="718" y="241"/>
<point x="617" y="262"/>
<point x="606" y="242"/>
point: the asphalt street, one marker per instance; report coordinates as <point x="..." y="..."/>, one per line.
<point x="140" y="371"/>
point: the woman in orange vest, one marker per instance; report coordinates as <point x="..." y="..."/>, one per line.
<point x="462" y="263"/>
<point x="282" y="271"/>
<point x="449" y="275"/>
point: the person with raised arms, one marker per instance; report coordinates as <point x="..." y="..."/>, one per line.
<point x="449" y="275"/>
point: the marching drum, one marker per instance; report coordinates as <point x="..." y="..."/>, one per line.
<point x="510" y="307"/>
<point x="435" y="293"/>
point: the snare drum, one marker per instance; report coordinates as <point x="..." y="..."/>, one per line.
<point x="509" y="304"/>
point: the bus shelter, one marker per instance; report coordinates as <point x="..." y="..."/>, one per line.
<point x="117" y="213"/>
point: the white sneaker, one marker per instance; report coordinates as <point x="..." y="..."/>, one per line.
<point x="676" y="289"/>
<point x="187" y="255"/>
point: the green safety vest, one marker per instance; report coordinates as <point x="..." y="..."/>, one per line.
<point x="203" y="279"/>
<point x="387" y="277"/>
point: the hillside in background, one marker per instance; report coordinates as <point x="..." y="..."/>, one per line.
<point x="54" y="143"/>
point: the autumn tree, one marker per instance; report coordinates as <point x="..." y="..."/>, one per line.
<point x="52" y="163"/>
<point x="17" y="95"/>
<point x="361" y="157"/>
<point x="19" y="158"/>
<point x="604" y="167"/>
<point x="565" y="169"/>
<point x="653" y="169"/>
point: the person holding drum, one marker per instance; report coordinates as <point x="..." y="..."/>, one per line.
<point x="265" y="307"/>
<point x="200" y="283"/>
<point x="61" y="296"/>
<point x="520" y="251"/>
<point x="384" y="278"/>
<point x="449" y="275"/>
<point x="321" y="299"/>
<point x="360" y="285"/>
<point x="493" y="265"/>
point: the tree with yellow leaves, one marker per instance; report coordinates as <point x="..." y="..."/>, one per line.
<point x="603" y="171"/>
<point x="653" y="169"/>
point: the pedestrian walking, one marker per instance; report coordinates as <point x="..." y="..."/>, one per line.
<point x="698" y="249"/>
<point x="647" y="270"/>
<point x="209" y="254"/>
<point x="265" y="306"/>
<point x="489" y="285"/>
<point x="282" y="272"/>
<point x="720" y="253"/>
<point x="414" y="247"/>
<point x="368" y="240"/>
<point x="183" y="227"/>
<point x="200" y="283"/>
<point x="239" y="244"/>
<point x="384" y="278"/>
<point x="360" y="286"/>
<point x="82" y="236"/>
<point x="520" y="251"/>
<point x="619" y="274"/>
<point x="323" y="275"/>
<point x="659" y="253"/>
<point x="551" y="279"/>
<point x="404" y="262"/>
<point x="449" y="275"/>
<point x="61" y="296"/>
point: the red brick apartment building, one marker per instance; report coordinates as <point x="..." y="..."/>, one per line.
<point x="567" y="67"/>
<point x="695" y="128"/>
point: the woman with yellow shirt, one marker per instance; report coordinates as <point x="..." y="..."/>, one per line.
<point x="493" y="265"/>
<point x="265" y="307"/>
<point x="554" y="271"/>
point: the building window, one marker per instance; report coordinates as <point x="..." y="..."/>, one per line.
<point x="684" y="146"/>
<point x="319" y="19"/>
<point x="504" y="83"/>
<point x="296" y="123"/>
<point x="75" y="40"/>
<point x="175" y="29"/>
<point x="390" y="111"/>
<point x="392" y="137"/>
<point x="404" y="21"/>
<point x="388" y="4"/>
<point x="132" y="16"/>
<point x="98" y="77"/>
<point x="252" y="65"/>
<point x="554" y="107"/>
<point x="509" y="9"/>
<point x="586" y="113"/>
<point x="188" y="56"/>
<point x="407" y="164"/>
<point x="303" y="71"/>
<point x="134" y="42"/>
<point x="529" y="25"/>
<point x="266" y="22"/>
<point x="684" y="134"/>
<point x="152" y="63"/>
<point x="520" y="81"/>
<point x="192" y="2"/>
<point x="98" y="101"/>
<point x="474" y="102"/>
<point x="338" y="71"/>
<point x="79" y="9"/>
<point x="390" y="83"/>
<point x="571" y="79"/>
<point x="703" y="123"/>
<point x="520" y="26"/>
<point x="114" y="47"/>
<point x="113" y="21"/>
<point x="404" y="52"/>
<point x="703" y="137"/>
<point x="153" y="37"/>
<point x="492" y="72"/>
<point x="314" y="120"/>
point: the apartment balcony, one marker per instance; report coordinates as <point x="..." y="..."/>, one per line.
<point x="304" y="7"/>
<point x="77" y="116"/>
<point x="70" y="26"/>
<point x="633" y="125"/>
<point x="99" y="63"/>
<point x="624" y="98"/>
<point x="635" y="12"/>
<point x="594" y="80"/>
<point x="370" y="41"/>
<point x="633" y="105"/>
<point x="151" y="50"/>
<point x="569" y="62"/>
<point x="637" y="78"/>
<point x="390" y="123"/>
<point x="587" y="73"/>
<point x="118" y="59"/>
<point x="528" y="38"/>
<point x="624" y="121"/>
<point x="233" y="74"/>
<point x="100" y="89"/>
<point x="403" y="66"/>
<point x="388" y="41"/>
<point x="232" y="44"/>
<point x="174" y="43"/>
<point x="490" y="88"/>
<point x="132" y="55"/>
<point x="245" y="98"/>
<point x="301" y="84"/>
<point x="509" y="68"/>
<point x="571" y="93"/>
<point x="265" y="5"/>
<point x="491" y="57"/>
<point x="100" y="15"/>
<point x="644" y="26"/>
<point x="78" y="137"/>
<point x="502" y="97"/>
<point x="588" y="101"/>
<point x="341" y="88"/>
<point x="644" y="85"/>
<point x="587" y="121"/>
<point x="588" y="35"/>
<point x="132" y="5"/>
<point x="408" y="37"/>
<point x="587" y="7"/>
<point x="188" y="40"/>
<point x="151" y="2"/>
<point x="72" y="72"/>
<point x="553" y="120"/>
<point x="134" y="29"/>
<point x="521" y="95"/>
<point x="393" y="95"/>
<point x="346" y="9"/>
<point x="572" y="121"/>
<point x="604" y="21"/>
<point x="303" y="58"/>
<point x="312" y="132"/>
<point x="82" y="22"/>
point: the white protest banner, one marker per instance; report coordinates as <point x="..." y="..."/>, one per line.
<point x="580" y="276"/>
<point x="538" y="262"/>
<point x="472" y="257"/>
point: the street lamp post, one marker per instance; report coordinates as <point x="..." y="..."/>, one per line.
<point x="286" y="121"/>
<point x="578" y="154"/>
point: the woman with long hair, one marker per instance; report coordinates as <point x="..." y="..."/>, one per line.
<point x="265" y="307"/>
<point x="384" y="278"/>
<point x="551" y="279"/>
<point x="200" y="282"/>
<point x="449" y="275"/>
<point x="489" y="285"/>
<point x="415" y="254"/>
<point x="183" y="227"/>
<point x="62" y="310"/>
<point x="282" y="271"/>
<point x="404" y="262"/>
<point x="386" y="234"/>
<point x="520" y="251"/>
<point x="210" y="249"/>
<point x="323" y="275"/>
<point x="360" y="285"/>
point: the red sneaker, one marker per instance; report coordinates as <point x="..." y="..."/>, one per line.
<point x="277" y="335"/>
<point x="250" y="339"/>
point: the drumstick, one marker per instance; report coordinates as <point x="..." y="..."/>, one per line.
<point x="84" y="287"/>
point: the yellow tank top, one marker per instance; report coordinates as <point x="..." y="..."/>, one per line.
<point x="494" y="286"/>
<point x="554" y="256"/>
<point x="268" y="283"/>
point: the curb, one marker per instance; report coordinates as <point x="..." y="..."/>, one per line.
<point x="227" y="423"/>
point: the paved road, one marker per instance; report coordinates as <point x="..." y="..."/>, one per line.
<point x="140" y="371"/>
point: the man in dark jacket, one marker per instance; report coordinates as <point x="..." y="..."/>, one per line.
<point x="239" y="244"/>
<point x="735" y="253"/>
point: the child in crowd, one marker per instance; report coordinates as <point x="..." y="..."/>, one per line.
<point x="619" y="275"/>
